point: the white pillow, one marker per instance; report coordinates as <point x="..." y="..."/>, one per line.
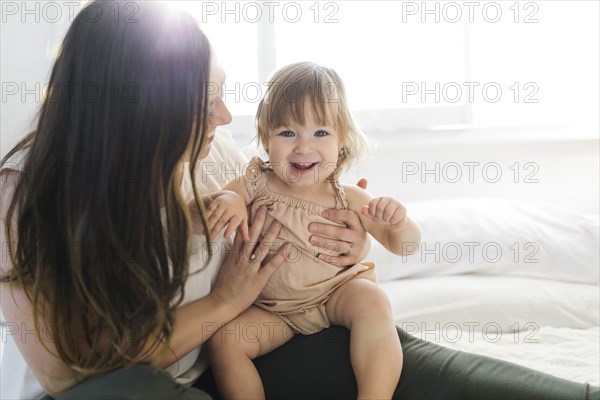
<point x="497" y="236"/>
<point x="503" y="303"/>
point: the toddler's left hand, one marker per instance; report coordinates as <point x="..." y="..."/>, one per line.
<point x="386" y="210"/>
<point x="227" y="210"/>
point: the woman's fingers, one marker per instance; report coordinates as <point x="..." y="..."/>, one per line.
<point x="362" y="183"/>
<point x="267" y="270"/>
<point x="243" y="229"/>
<point x="330" y="246"/>
<point x="241" y="277"/>
<point x="258" y="222"/>
<point x="238" y="242"/>
<point x="338" y="240"/>
<point x="347" y="217"/>
<point x="341" y="260"/>
<point x="353" y="232"/>
<point x="261" y="251"/>
<point x="324" y="231"/>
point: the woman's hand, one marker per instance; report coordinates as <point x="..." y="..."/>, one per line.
<point x="350" y="243"/>
<point x="243" y="276"/>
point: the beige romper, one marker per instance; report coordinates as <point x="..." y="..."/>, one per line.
<point x="300" y="287"/>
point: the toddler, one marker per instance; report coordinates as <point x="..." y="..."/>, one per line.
<point x="306" y="129"/>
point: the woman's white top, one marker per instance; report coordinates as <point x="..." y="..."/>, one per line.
<point x="224" y="163"/>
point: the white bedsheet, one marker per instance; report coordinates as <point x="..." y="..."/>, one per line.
<point x="542" y="324"/>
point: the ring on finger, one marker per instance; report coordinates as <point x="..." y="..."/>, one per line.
<point x="252" y="258"/>
<point x="350" y="246"/>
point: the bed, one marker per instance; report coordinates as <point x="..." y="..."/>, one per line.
<point x="512" y="279"/>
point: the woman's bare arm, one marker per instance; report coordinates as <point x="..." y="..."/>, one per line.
<point x="49" y="370"/>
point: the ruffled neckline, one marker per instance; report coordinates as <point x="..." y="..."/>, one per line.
<point x="294" y="202"/>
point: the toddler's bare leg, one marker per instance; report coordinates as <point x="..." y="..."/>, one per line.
<point x="375" y="350"/>
<point x="232" y="348"/>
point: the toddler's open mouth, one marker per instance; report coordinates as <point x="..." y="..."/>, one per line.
<point x="303" y="167"/>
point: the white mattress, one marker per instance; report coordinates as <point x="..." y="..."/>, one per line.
<point x="547" y="325"/>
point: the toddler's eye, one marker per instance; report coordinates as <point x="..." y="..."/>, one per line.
<point x="321" y="133"/>
<point x="287" y="134"/>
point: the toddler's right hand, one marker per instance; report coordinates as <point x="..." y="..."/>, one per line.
<point x="228" y="209"/>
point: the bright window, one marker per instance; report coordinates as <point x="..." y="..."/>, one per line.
<point x="382" y="60"/>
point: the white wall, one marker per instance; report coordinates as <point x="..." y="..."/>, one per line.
<point x="28" y="43"/>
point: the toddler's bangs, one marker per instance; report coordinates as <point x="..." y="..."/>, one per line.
<point x="290" y="101"/>
<point x="285" y="113"/>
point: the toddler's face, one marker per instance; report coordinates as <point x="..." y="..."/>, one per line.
<point x="304" y="155"/>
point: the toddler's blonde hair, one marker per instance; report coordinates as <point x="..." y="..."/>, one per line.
<point x="306" y="84"/>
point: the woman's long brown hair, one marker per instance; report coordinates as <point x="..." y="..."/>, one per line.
<point x="102" y="230"/>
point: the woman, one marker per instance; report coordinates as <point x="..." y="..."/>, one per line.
<point x="103" y="259"/>
<point x="97" y="205"/>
